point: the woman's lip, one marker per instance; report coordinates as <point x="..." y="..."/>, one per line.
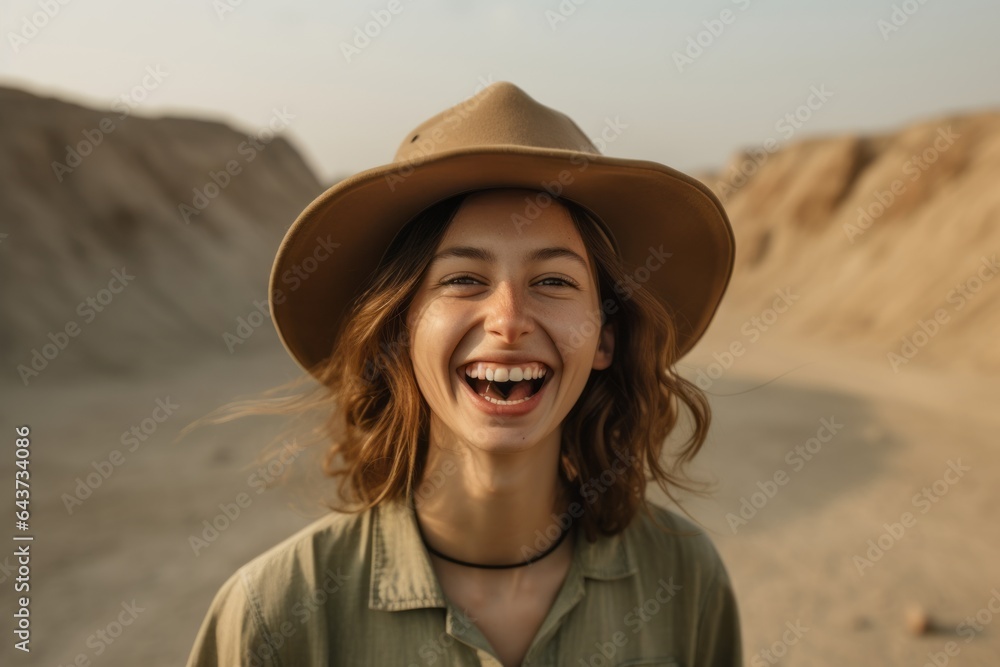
<point x="515" y="410"/>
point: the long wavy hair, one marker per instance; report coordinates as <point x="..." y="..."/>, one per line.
<point x="373" y="422"/>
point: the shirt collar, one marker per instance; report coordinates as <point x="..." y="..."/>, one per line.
<point x="402" y="576"/>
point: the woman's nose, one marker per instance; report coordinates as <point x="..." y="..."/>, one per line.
<point x="507" y="313"/>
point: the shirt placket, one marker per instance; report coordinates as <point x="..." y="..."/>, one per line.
<point x="541" y="653"/>
<point x="459" y="626"/>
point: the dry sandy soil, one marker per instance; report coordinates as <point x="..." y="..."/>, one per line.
<point x="799" y="555"/>
<point x="793" y="561"/>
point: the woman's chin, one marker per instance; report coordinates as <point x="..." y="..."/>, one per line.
<point x="500" y="443"/>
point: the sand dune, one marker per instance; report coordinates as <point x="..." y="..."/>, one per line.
<point x="183" y="278"/>
<point x="876" y="235"/>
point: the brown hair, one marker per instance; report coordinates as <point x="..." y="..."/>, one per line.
<point x="374" y="420"/>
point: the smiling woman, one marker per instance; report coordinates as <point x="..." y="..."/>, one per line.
<point x="495" y="404"/>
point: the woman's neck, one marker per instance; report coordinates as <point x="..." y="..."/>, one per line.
<point x="492" y="508"/>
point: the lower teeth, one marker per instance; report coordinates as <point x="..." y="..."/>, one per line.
<point x="499" y="402"/>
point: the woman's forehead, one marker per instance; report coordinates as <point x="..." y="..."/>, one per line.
<point x="514" y="218"/>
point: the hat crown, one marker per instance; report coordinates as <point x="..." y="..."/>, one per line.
<point x="501" y="114"/>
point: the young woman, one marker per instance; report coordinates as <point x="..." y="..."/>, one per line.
<point x="493" y="320"/>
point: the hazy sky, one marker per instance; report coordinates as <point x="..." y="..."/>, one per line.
<point x="236" y="60"/>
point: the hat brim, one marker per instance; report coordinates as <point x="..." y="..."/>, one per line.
<point x="652" y="210"/>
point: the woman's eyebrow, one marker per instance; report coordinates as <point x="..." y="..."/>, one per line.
<point x="486" y="255"/>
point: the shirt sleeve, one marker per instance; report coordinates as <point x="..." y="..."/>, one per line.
<point x="231" y="633"/>
<point x="718" y="643"/>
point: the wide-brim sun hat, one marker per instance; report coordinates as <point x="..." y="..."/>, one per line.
<point x="670" y="230"/>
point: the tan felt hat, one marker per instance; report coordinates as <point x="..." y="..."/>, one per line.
<point x="670" y="230"/>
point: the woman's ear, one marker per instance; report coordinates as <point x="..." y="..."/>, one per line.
<point x="605" y="348"/>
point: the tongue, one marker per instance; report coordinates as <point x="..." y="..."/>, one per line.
<point x="522" y="389"/>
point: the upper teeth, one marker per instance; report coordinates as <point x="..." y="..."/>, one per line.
<point x="498" y="373"/>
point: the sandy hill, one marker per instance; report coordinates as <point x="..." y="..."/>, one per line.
<point x="97" y="206"/>
<point x="875" y="235"/>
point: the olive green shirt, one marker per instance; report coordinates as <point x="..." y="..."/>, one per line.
<point x="359" y="589"/>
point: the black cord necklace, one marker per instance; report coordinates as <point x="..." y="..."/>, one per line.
<point x="533" y="559"/>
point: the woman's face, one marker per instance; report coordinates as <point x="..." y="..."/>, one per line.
<point x="502" y="293"/>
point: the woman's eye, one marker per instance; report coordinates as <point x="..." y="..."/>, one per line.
<point x="560" y="281"/>
<point x="455" y="280"/>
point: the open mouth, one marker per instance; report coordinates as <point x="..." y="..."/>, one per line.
<point x="509" y="392"/>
